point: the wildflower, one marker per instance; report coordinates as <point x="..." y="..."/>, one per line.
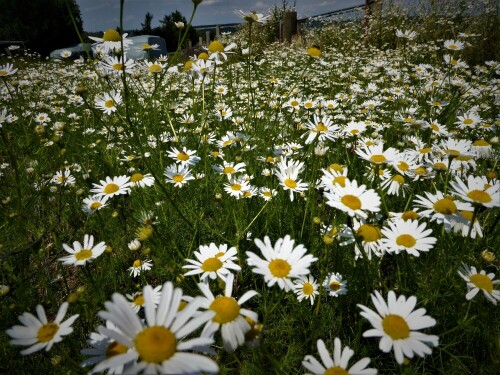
<point x="63" y="178"/>
<point x="237" y="187"/>
<point x="397" y="325"/>
<point x="39" y="332"/>
<point x="477" y="191"/>
<point x="229" y="316"/>
<point x="139" y="266"/>
<point x="112" y="186"/>
<point x="375" y="154"/>
<point x="353" y="199"/>
<point x="81" y="254"/>
<point x="134" y="245"/>
<point x="7" y="70"/>
<point x="94" y="203"/>
<point x="229" y="169"/>
<point x="154" y="67"/>
<point x="454" y="45"/>
<point x="288" y="173"/>
<point x="282" y="262"/>
<point x="137" y="299"/>
<point x="141" y="180"/>
<point x="158" y="344"/>
<point x="112" y="41"/>
<point x="407" y="34"/>
<point x="337" y="365"/>
<point x="108" y="102"/>
<point x="184" y="157"/>
<point x="118" y="64"/>
<point x="213" y="261"/>
<point x="477" y="281"/>
<point x="252" y="17"/>
<point x="178" y="175"/>
<point x="321" y="129"/>
<point x="306" y="287"/>
<point x="335" y="285"/>
<point x="370" y="236"/>
<point x="407" y="235"/>
<point x="267" y="193"/>
<point x="440" y="208"/>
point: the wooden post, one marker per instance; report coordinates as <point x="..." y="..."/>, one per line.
<point x="200" y="41"/>
<point x="217" y="32"/>
<point x="207" y="37"/>
<point x="289" y="26"/>
<point x="190" y="43"/>
<point x="280" y="31"/>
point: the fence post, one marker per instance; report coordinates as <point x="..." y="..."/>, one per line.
<point x="207" y="37"/>
<point x="217" y="32"/>
<point x="289" y="25"/>
<point x="200" y="41"/>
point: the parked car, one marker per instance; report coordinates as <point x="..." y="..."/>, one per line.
<point x="76" y="51"/>
<point x="136" y="51"/>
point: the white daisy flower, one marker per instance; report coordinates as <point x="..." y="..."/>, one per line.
<point x="282" y="261"/>
<point x="142" y="180"/>
<point x="139" y="266"/>
<point x="338" y="364"/>
<point x="306" y="287"/>
<point x="184" y="156"/>
<point x="157" y="345"/>
<point x="112" y="186"/>
<point x="178" y="175"/>
<point x="94" y="203"/>
<point x="478" y="191"/>
<point x="288" y="174"/>
<point x="335" y="285"/>
<point x="353" y="199"/>
<point x="81" y="254"/>
<point x="213" y="261"/>
<point x="407" y="235"/>
<point x="229" y="316"/>
<point x="38" y="332"/>
<point x="477" y="281"/>
<point x="397" y="324"/>
<point x="137" y="299"/>
<point x="440" y="208"/>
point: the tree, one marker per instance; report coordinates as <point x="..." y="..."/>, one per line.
<point x="44" y="25"/>
<point x="171" y="33"/>
<point x="146" y="26"/>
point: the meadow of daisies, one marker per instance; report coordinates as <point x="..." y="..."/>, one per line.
<point x="325" y="207"/>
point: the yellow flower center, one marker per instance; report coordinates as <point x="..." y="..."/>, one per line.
<point x="466" y="215"/>
<point x="435" y="127"/>
<point x="403" y="166"/>
<point x="314" y="52"/>
<point x="47" y="332"/>
<point x="354" y="131"/>
<point x="378" y="159"/>
<point x="83" y="254"/>
<point x="420" y="171"/>
<point x="468" y="121"/>
<point x="399" y="179"/>
<point x="351" y="201"/>
<point x="203" y="56"/>
<point x="369" y="233"/>
<point x="211" y="265"/>
<point x="479" y="196"/>
<point x="480" y="142"/>
<point x="440" y="165"/>
<point x="452" y="152"/>
<point x="226" y="309"/>
<point x="178" y="178"/>
<point x="396" y="327"/>
<point x="336" y="167"/>
<point x="155" y="344"/>
<point x="139" y="300"/>
<point x="188" y="65"/>
<point x="182" y="156"/>
<point x="425" y="150"/>
<point x="464" y="158"/>
<point x="294" y="103"/>
<point x="307" y="289"/>
<point x="216" y="46"/>
<point x="115" y="348"/>
<point x="482" y="282"/>
<point x="452" y="46"/>
<point x="109" y="103"/>
<point x="136" y="177"/>
<point x="279" y="268"/>
<point x="137" y="263"/>
<point x="111" y="188"/>
<point x="445" y="206"/>
<point x="290" y="183"/>
<point x="321" y="127"/>
<point x="111" y="35"/>
<point x="117" y="66"/>
<point x="406" y="240"/>
<point x="336" y="371"/>
<point x="409" y="215"/>
<point x="236" y="187"/>
<point x="339" y="180"/>
<point x="228" y="170"/>
<point x="334" y="285"/>
<point x="155" y="68"/>
<point x="94" y="206"/>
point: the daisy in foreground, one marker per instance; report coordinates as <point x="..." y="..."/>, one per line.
<point x="477" y="281"/>
<point x="39" y="332"/>
<point x="112" y="186"/>
<point x="157" y="345"/>
<point x="407" y="235"/>
<point x="337" y="365"/>
<point x="213" y="261"/>
<point x="306" y="288"/>
<point x="81" y="254"/>
<point x="397" y="324"/>
<point x="229" y="316"/>
<point x="282" y="262"/>
<point x="353" y="199"/>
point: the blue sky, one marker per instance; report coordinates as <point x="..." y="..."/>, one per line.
<point x="100" y="15"/>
